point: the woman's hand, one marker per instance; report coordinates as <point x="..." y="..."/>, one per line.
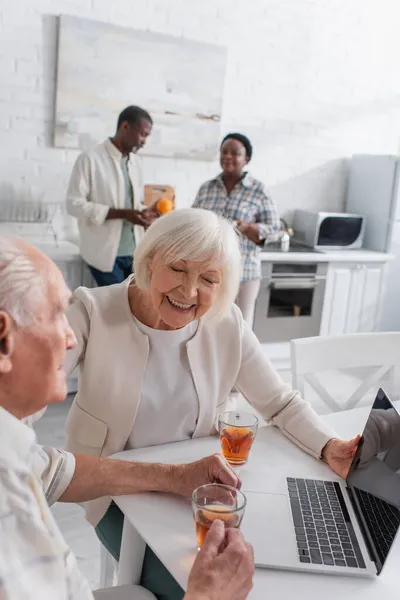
<point x="338" y="454"/>
<point x="250" y="230"/>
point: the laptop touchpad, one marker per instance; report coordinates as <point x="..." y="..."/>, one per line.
<point x="268" y="526"/>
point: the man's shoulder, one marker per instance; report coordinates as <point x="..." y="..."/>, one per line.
<point x="17" y="442"/>
<point x="99" y="151"/>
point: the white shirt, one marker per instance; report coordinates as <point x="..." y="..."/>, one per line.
<point x="97" y="184"/>
<point x="35" y="561"/>
<point x="169" y="405"/>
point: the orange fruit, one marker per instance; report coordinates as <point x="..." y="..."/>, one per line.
<point x="164" y="205"/>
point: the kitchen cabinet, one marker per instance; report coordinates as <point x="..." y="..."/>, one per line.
<point x="352" y="298"/>
<point x="289" y="304"/>
<point x="72" y="272"/>
<point x="75" y="273"/>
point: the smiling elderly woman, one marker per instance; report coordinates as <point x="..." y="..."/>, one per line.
<point x="159" y="354"/>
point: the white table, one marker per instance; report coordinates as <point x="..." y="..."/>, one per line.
<point x="165" y="522"/>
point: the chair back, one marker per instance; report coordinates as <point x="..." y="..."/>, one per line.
<point x="321" y="369"/>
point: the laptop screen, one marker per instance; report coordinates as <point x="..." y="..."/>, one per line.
<point x="374" y="478"/>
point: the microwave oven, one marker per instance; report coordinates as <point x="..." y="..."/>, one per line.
<point x="329" y="231"/>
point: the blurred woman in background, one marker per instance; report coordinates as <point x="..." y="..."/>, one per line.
<point x="237" y="196"/>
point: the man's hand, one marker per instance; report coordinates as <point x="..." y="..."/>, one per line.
<point x="213" y="469"/>
<point x="151" y="213"/>
<point x="96" y="477"/>
<point x="338" y="454"/>
<point x="250" y="230"/>
<point x="224" y="568"/>
<point x="152" y="210"/>
<point x="137" y="217"/>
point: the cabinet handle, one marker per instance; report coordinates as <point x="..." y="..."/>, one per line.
<point x="290" y="285"/>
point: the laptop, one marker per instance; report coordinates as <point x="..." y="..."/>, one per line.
<point x="332" y="527"/>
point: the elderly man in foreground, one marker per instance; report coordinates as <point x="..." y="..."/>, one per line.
<point x="35" y="562"/>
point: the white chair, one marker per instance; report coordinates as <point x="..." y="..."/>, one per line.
<point x="124" y="592"/>
<point x="129" y="568"/>
<point x="108" y="568"/>
<point x="376" y="353"/>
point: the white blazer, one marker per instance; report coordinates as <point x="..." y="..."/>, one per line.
<point x="96" y="185"/>
<point x="112" y="355"/>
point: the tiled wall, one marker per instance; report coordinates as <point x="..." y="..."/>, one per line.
<point x="310" y="81"/>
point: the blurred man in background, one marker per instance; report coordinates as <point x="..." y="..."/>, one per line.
<point x="105" y="195"/>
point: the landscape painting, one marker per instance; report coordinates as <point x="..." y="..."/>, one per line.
<point x="103" y="68"/>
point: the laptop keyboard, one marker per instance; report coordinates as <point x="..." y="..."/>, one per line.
<point x="383" y="521"/>
<point x="324" y="532"/>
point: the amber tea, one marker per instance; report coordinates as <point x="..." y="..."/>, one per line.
<point x="216" y="501"/>
<point x="237" y="432"/>
<point x="236" y="443"/>
<point x="205" y="516"/>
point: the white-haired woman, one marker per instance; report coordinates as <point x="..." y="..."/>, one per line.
<point x="159" y="354"/>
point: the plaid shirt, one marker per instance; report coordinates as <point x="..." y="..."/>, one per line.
<point x="35" y="561"/>
<point x="248" y="202"/>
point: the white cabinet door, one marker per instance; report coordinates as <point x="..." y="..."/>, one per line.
<point x="373" y="287"/>
<point x="337" y="299"/>
<point x="352" y="299"/>
<point x="72" y="272"/>
<point x="76" y="273"/>
<point x="390" y="305"/>
<point x="354" y="307"/>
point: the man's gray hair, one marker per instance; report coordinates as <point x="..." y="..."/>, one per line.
<point x="21" y="284"/>
<point x="193" y="234"/>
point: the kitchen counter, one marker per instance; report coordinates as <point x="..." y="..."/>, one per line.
<point x="65" y="250"/>
<point x="61" y="250"/>
<point x="349" y="256"/>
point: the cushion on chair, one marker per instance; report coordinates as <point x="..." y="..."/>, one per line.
<point x="124" y="592"/>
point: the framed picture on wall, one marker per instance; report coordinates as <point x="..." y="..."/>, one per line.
<point x="103" y="68"/>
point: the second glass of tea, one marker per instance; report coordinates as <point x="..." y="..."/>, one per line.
<point x="216" y="501"/>
<point x="237" y="431"/>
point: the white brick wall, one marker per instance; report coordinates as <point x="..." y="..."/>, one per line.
<point x="310" y="81"/>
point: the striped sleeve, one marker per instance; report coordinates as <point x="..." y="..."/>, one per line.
<point x="267" y="218"/>
<point x="55" y="468"/>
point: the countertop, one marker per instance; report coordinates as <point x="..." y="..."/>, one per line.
<point x="336" y="256"/>
<point x="65" y="250"/>
<point x="62" y="250"/>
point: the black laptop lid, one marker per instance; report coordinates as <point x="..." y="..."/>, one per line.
<point x="374" y="478"/>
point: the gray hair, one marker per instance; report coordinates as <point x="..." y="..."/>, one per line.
<point x="21" y="284"/>
<point x="193" y="234"/>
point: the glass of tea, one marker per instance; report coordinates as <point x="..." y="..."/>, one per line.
<point x="216" y="501"/>
<point x="237" y="431"/>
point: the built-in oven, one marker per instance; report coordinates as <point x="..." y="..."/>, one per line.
<point x="290" y="301"/>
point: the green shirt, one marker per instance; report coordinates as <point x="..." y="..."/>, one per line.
<point x="127" y="241"/>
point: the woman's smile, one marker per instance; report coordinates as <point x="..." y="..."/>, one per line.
<point x="180" y="305"/>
